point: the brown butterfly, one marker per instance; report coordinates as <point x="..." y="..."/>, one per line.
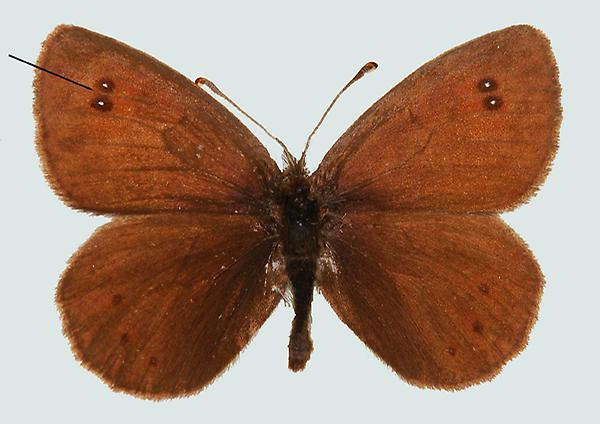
<point x="398" y="228"/>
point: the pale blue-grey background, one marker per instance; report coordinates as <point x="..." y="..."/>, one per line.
<point x="283" y="63"/>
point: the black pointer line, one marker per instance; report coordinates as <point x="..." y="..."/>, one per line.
<point x="50" y="72"/>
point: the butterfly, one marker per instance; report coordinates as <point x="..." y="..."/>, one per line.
<point x="398" y="228"/>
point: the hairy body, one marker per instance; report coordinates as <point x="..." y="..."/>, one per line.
<point x="299" y="227"/>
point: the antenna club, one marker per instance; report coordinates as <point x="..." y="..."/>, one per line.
<point x="371" y="66"/>
<point x="368" y="67"/>
<point x="200" y="81"/>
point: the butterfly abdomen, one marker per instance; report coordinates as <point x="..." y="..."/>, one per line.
<point x="300" y="240"/>
<point x="302" y="276"/>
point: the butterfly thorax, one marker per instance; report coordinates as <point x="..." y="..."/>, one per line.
<point x="299" y="232"/>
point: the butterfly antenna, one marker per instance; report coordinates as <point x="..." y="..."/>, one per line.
<point x="201" y="81"/>
<point x="371" y="66"/>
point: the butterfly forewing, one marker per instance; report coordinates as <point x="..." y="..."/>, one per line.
<point x="159" y="306"/>
<point x="146" y="139"/>
<point x="473" y="130"/>
<point x="445" y="300"/>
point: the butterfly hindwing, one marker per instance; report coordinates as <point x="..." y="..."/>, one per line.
<point x="159" y="306"/>
<point x="445" y="300"/>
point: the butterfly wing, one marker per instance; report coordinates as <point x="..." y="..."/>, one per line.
<point x="158" y="306"/>
<point x="445" y="300"/>
<point x="473" y="130"/>
<point x="437" y="286"/>
<point x="146" y="139"/>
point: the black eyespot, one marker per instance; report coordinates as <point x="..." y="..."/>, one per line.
<point x="487" y="84"/>
<point x="102" y="103"/>
<point x="478" y="327"/>
<point x="105" y="85"/>
<point x="492" y="102"/>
